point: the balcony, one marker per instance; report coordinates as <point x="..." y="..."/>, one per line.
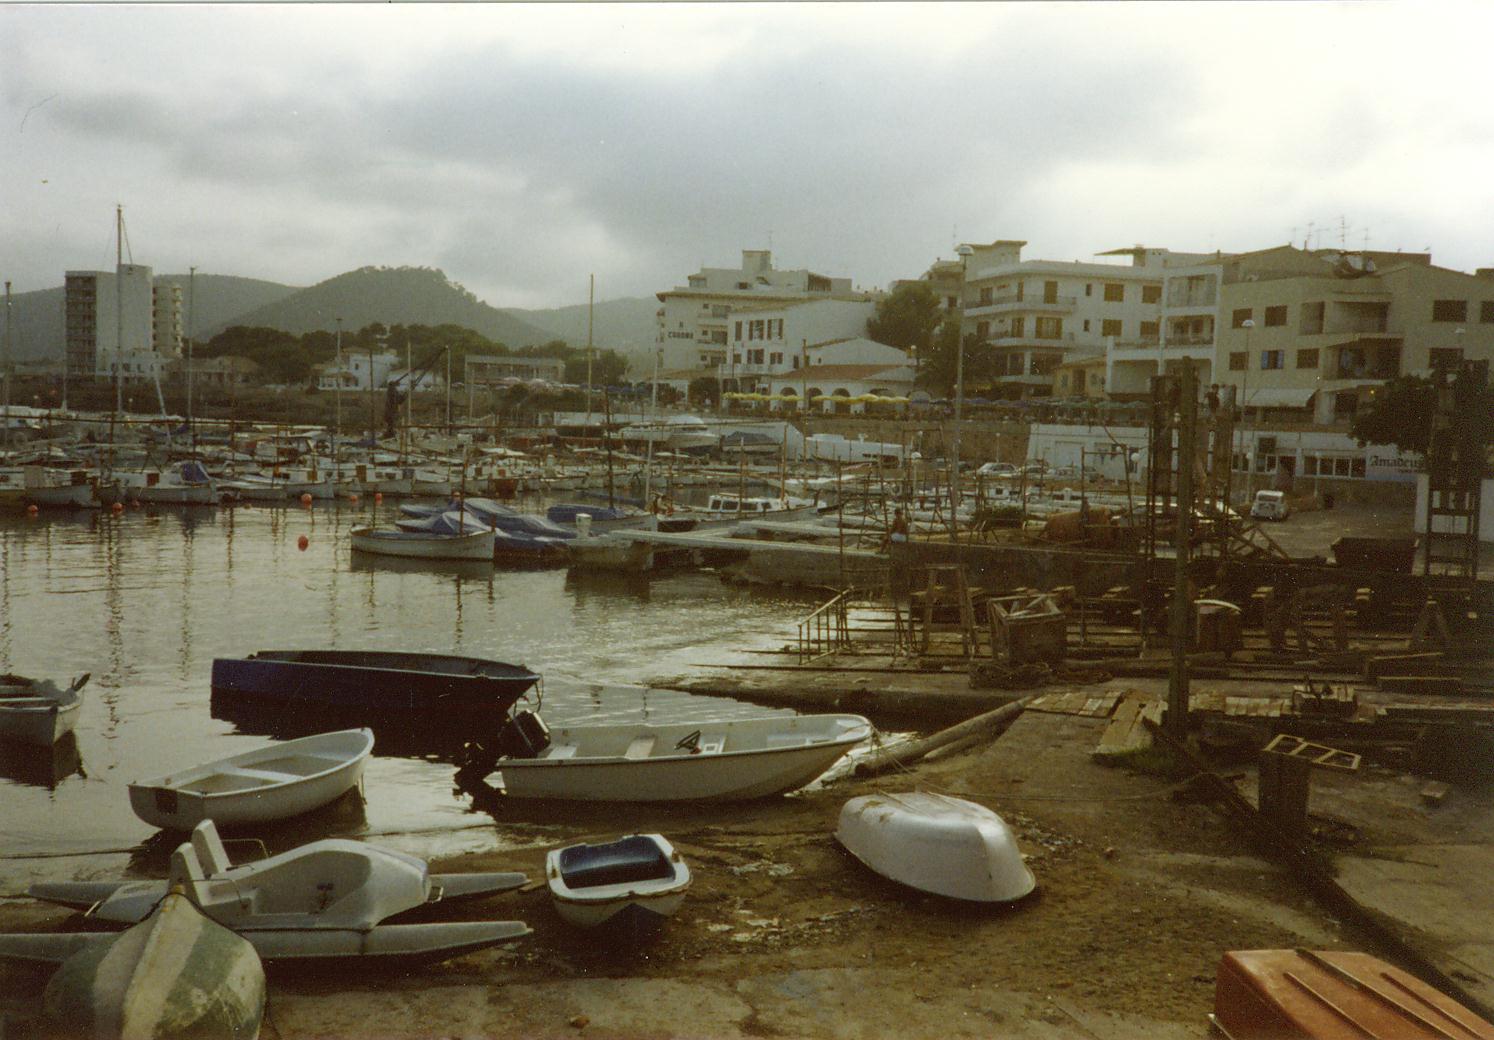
<point x="1025" y="304"/>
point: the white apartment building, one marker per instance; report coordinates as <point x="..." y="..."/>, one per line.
<point x="166" y="318"/>
<point x="1189" y="317"/>
<point x="694" y="319"/>
<point x="1031" y="314"/>
<point x="110" y="323"/>
<point x="361" y="370"/>
<point x="772" y="338"/>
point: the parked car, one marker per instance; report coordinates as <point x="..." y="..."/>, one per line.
<point x="997" y="469"/>
<point x="1270" y="505"/>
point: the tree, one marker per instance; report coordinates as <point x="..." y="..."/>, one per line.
<point x="937" y="370"/>
<point x="1400" y="413"/>
<point x="907" y="318"/>
<point x="703" y="391"/>
<point x="608" y="367"/>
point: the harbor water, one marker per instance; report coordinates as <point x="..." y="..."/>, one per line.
<point x="145" y="600"/>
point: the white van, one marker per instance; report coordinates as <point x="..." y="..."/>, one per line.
<point x="1269" y="505"/>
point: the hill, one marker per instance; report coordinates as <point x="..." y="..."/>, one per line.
<point x="626" y="325"/>
<point x="391" y="296"/>
<point x="36" y="317"/>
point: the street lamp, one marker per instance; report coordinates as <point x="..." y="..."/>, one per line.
<point x="1247" y="325"/>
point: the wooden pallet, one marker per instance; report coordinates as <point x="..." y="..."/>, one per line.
<point x="1320" y="755"/>
<point x="1089" y="705"/>
<point x="1128" y="731"/>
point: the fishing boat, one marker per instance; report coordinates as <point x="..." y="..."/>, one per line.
<point x="630" y="885"/>
<point x="333" y="883"/>
<point x="271" y="487"/>
<point x="381" y="683"/>
<point x="58" y="489"/>
<point x="271" y="783"/>
<point x="186" y="484"/>
<point x="1332" y="995"/>
<point x="176" y="974"/>
<point x="603" y="518"/>
<point x="450" y="536"/>
<point x="935" y="843"/>
<point x="727" y="759"/>
<point x="38" y="712"/>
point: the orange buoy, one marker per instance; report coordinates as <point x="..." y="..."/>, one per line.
<point x="117" y="507"/>
<point x="31" y="510"/>
<point x="306" y="499"/>
<point x="353" y="497"/>
<point x="302" y="543"/>
<point x="378" y="497"/>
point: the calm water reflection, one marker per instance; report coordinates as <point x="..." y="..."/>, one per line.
<point x="146" y="600"/>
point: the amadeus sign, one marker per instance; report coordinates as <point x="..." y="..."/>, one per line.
<point x="1391" y="464"/>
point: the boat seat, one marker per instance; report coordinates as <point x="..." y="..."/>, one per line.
<point x="185" y="868"/>
<point x="209" y="848"/>
<point x="641" y="747"/>
<point x="616" y="863"/>
<point x="560" y="751"/>
<point x="263" y="775"/>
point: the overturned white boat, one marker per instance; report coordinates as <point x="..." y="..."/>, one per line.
<point x="324" y="900"/>
<point x="631" y="885"/>
<point x="709" y="761"/>
<point x="36" y="711"/>
<point x="938" y="844"/>
<point x="276" y="782"/>
<point x="175" y="974"/>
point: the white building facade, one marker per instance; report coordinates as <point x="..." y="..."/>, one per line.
<point x="770" y="339"/>
<point x="110" y="324"/>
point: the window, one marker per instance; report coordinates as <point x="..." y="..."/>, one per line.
<point x="1110" y="327"/>
<point x="985" y="295"/>
<point x="1063" y="381"/>
<point x="1449" y="310"/>
<point x="1276" y="315"/>
<point x="1307" y="358"/>
<point x="736" y="357"/>
<point x="1089" y="288"/>
<point x="1237" y="361"/>
<point x="1271" y="359"/>
<point x="983" y="329"/>
<point x="1019" y="327"/>
<point x="754" y="357"/>
<point x="1050" y="292"/>
<point x="1086" y="324"/>
<point x="1021" y="290"/>
<point x="1444" y="357"/>
<point x="951" y="302"/>
<point x="775" y="358"/>
<point x="1310" y="318"/>
<point x="737" y="335"/>
<point x="1345" y="404"/>
<point x="1151" y="294"/>
<point x="1486" y="312"/>
<point x="1240" y="316"/>
<point x="1049" y="328"/>
<point x="1151" y="330"/>
<point x="1115" y="292"/>
<point x="796" y="360"/>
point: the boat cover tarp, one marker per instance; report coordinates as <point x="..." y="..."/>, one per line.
<point x="637" y="858"/>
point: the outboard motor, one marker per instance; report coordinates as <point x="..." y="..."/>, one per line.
<point x="523" y="735"/>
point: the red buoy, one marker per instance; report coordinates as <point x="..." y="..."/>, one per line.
<point x="31" y="510"/>
<point x="378" y="497"/>
<point x="353" y="497"/>
<point x="306" y="499"/>
<point x="117" y="507"/>
<point x="302" y="543"/>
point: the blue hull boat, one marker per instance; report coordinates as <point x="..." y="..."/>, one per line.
<point x="429" y="687"/>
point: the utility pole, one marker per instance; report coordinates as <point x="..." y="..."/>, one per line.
<point x="1182" y="608"/>
<point x="191" y="328"/>
<point x="337" y="404"/>
<point x="5" y="369"/>
<point x="965" y="252"/>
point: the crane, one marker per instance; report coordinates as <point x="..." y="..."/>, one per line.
<point x="395" y="394"/>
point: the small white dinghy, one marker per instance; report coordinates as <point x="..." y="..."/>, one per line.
<point x="38" y="712"/>
<point x="276" y="782"/>
<point x="718" y="760"/>
<point x="175" y="974"/>
<point x="631" y="885"/>
<point x="937" y="844"/>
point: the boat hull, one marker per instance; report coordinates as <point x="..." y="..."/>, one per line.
<point x="40" y="725"/>
<point x="630" y="886"/>
<point x="383" y="682"/>
<point x="712" y="775"/>
<point x="274" y="783"/>
<point x="937" y="844"/>
<point x="66" y="496"/>
<point x="176" y="974"/>
<point x="415" y="546"/>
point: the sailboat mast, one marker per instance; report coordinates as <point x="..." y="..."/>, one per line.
<point x="5" y="367"/>
<point x="337" y="404"/>
<point x="118" y="308"/>
<point x="591" y="286"/>
<point x="191" y="330"/>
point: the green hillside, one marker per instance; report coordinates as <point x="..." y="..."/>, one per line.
<point x="390" y="296"/>
<point x="626" y="325"/>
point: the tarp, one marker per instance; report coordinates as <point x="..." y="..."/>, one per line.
<point x="1278" y="397"/>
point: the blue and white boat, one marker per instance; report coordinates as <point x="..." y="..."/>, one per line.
<point x="630" y="885"/>
<point x="448" y="536"/>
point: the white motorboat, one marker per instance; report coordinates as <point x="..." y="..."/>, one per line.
<point x="718" y="760"/>
<point x="425" y="545"/>
<point x="175" y="974"/>
<point x="276" y="782"/>
<point x="187" y="483"/>
<point x="58" y="489"/>
<point x="333" y="883"/>
<point x="272" y="487"/>
<point x="38" y="712"/>
<point x="938" y="844"/>
<point x="632" y="884"/>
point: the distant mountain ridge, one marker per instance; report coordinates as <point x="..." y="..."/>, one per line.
<point x="391" y="295"/>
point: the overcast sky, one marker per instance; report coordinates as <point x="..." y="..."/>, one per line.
<point x="520" y="148"/>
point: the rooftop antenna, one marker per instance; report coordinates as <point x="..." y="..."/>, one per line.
<point x="1307" y="242"/>
<point x="1343" y="232"/>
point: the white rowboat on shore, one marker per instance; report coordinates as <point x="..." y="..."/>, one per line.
<point x="276" y="782"/>
<point x="937" y="844"/>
